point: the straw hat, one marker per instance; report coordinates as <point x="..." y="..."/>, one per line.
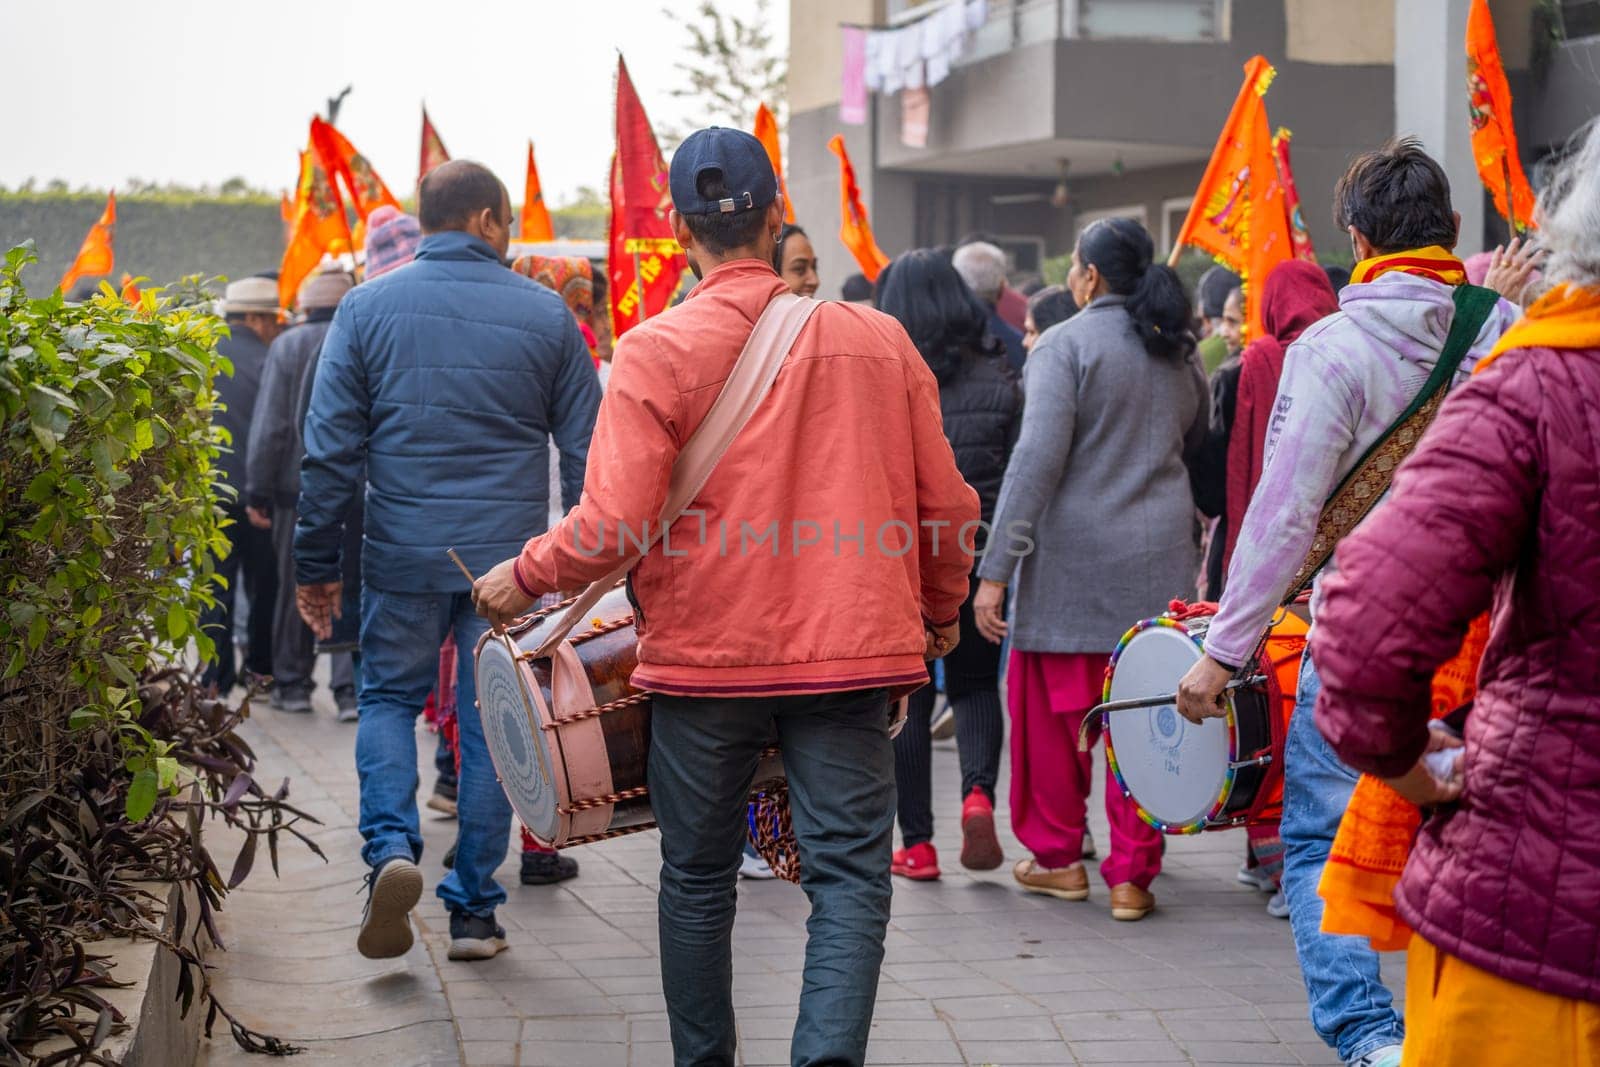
<point x="251" y="296"/>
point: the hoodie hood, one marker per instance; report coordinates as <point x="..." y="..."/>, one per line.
<point x="1410" y="316"/>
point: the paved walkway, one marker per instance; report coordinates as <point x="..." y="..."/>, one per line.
<point x="977" y="972"/>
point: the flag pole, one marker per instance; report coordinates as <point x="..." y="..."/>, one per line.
<point x="1511" y="207"/>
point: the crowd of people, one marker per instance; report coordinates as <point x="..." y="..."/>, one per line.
<point x="1117" y="442"/>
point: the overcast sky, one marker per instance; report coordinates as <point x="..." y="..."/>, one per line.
<point x="101" y="91"/>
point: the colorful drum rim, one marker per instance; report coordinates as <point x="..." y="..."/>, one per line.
<point x="1211" y="817"/>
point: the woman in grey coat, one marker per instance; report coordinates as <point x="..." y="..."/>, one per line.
<point x="1095" y="530"/>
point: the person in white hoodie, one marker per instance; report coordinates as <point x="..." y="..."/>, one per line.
<point x="1346" y="380"/>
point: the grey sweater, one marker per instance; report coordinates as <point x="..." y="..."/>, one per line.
<point x="1099" y="484"/>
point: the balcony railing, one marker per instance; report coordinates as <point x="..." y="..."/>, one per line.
<point x="1013" y="23"/>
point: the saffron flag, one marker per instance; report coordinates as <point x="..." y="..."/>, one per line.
<point x="95" y="255"/>
<point x="854" y="229"/>
<point x="361" y="183"/>
<point x="319" y="226"/>
<point x="645" y="261"/>
<point x="766" y="131"/>
<point x="1494" y="138"/>
<point x="433" y="152"/>
<point x="1240" y="214"/>
<point x="1299" y="236"/>
<point x="536" y="225"/>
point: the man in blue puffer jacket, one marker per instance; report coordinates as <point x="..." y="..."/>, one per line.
<point x="444" y="380"/>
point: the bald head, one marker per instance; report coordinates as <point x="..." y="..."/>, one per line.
<point x="466" y="196"/>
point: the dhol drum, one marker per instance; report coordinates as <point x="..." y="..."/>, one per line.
<point x="1222" y="773"/>
<point x="569" y="736"/>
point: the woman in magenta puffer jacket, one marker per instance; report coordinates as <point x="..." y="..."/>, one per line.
<point x="1501" y="504"/>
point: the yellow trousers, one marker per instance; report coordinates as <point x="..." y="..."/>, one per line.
<point x="1460" y="1016"/>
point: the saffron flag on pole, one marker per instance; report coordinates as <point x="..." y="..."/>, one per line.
<point x="536" y="225"/>
<point x="1299" y="236"/>
<point x="1239" y="214"/>
<point x="1494" y="137"/>
<point x="766" y="131"/>
<point x="433" y="151"/>
<point x="645" y="261"/>
<point x="854" y="228"/>
<point x="96" y="255"/>
<point x="361" y="183"/>
<point x="319" y="226"/>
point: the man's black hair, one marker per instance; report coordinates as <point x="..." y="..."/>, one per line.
<point x="453" y="193"/>
<point x="719" y="231"/>
<point x="1397" y="197"/>
<point x="856" y="288"/>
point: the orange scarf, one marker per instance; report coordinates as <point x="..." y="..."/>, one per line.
<point x="1565" y="317"/>
<point x="1432" y="262"/>
<point x="1379" y="825"/>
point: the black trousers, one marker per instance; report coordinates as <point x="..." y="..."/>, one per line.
<point x="250" y="559"/>
<point x="972" y="685"/>
<point x="703" y="755"/>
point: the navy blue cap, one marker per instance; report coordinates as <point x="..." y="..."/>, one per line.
<point x="746" y="172"/>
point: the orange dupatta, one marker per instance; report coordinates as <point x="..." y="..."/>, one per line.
<point x="1374" y="839"/>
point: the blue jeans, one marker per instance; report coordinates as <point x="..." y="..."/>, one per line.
<point x="840" y="767"/>
<point x="400" y="638"/>
<point x="1350" y="1007"/>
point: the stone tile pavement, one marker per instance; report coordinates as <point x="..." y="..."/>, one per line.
<point x="976" y="972"/>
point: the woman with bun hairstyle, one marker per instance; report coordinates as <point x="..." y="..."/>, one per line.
<point x="1094" y="530"/>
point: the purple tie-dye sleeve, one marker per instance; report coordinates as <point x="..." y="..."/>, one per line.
<point x="1313" y="424"/>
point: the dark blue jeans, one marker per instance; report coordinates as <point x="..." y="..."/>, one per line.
<point x="1351" y="1008"/>
<point x="400" y="638"/>
<point x="840" y="766"/>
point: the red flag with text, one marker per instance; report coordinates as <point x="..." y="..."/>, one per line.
<point x="645" y="261"/>
<point x="96" y="255"/>
<point x="766" y="131"/>
<point x="361" y="183"/>
<point x="536" y="225"/>
<point x="1239" y="214"/>
<point x="854" y="229"/>
<point x="433" y="151"/>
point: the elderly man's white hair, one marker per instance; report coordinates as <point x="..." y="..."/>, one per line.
<point x="1569" y="210"/>
<point x="983" y="267"/>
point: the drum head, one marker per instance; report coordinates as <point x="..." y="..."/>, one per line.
<point x="516" y="744"/>
<point x="1176" y="771"/>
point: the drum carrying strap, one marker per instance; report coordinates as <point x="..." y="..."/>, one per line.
<point x="1363" y="487"/>
<point x="747" y="385"/>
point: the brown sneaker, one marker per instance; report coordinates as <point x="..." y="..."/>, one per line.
<point x="1129" y="903"/>
<point x="1068" y="883"/>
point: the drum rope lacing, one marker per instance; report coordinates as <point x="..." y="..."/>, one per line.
<point x="597" y="710"/>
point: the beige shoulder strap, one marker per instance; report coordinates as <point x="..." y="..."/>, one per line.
<point x="747" y="385"/>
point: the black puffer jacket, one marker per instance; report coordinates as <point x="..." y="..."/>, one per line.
<point x="982" y="407"/>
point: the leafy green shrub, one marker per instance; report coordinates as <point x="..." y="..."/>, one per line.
<point x="110" y="754"/>
<point x="109" y="527"/>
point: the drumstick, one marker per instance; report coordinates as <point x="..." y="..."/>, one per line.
<point x="451" y="552"/>
<point x="1147" y="702"/>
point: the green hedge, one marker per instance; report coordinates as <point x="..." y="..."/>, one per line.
<point x="161" y="238"/>
<point x="166" y="237"/>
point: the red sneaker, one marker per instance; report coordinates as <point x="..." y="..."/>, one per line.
<point x="980" y="848"/>
<point x="920" y="863"/>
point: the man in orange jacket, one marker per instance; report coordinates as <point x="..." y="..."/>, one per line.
<point x="822" y="560"/>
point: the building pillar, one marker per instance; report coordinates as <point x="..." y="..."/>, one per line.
<point x="1430" y="100"/>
